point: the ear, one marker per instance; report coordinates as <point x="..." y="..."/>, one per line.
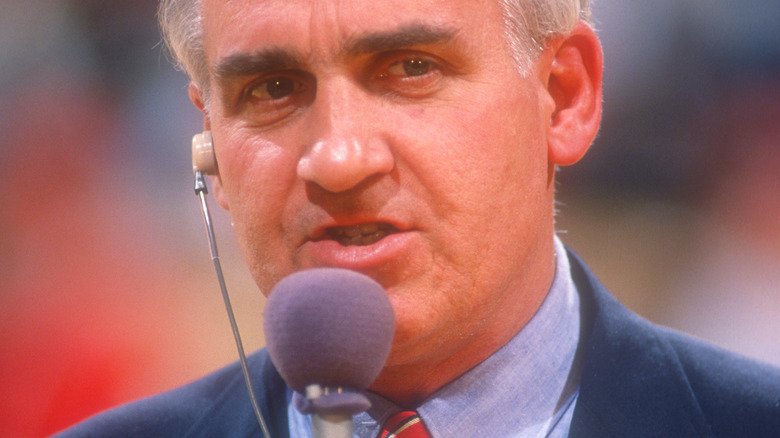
<point x="196" y="96"/>
<point x="575" y="87"/>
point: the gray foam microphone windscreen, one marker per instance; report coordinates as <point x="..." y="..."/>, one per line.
<point x="328" y="326"/>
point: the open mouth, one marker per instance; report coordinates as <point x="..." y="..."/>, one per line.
<point x="363" y="234"/>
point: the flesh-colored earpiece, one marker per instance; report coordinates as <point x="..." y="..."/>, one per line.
<point x="203" y="158"/>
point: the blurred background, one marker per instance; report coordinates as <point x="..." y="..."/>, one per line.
<point x="108" y="292"/>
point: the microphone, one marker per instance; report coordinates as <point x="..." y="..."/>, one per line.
<point x="328" y="332"/>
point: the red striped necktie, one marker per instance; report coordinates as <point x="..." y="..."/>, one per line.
<point x="406" y="424"/>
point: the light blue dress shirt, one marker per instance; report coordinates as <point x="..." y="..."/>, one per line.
<point x="528" y="388"/>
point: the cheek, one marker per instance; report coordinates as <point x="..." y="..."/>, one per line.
<point x="476" y="159"/>
<point x="257" y="181"/>
<point x="483" y="173"/>
<point x="257" y="172"/>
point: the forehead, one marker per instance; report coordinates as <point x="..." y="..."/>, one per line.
<point x="325" y="26"/>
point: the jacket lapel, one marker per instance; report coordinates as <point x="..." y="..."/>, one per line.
<point x="233" y="409"/>
<point x="632" y="382"/>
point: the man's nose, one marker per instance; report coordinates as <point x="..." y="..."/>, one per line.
<point x="348" y="145"/>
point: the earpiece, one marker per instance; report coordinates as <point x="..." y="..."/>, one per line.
<point x="204" y="161"/>
<point x="203" y="157"/>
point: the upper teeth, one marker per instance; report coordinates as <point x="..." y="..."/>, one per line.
<point x="356" y="230"/>
<point x="362" y="234"/>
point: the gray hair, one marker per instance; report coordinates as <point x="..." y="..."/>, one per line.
<point x="182" y="31"/>
<point x="529" y="24"/>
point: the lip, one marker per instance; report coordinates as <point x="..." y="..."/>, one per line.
<point x="319" y="251"/>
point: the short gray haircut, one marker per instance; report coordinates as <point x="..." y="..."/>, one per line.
<point x="529" y="24"/>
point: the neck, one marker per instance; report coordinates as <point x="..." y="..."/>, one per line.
<point x="410" y="383"/>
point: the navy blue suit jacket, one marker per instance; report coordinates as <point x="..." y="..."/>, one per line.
<point x="639" y="380"/>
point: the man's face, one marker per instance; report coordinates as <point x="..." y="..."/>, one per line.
<point x="394" y="138"/>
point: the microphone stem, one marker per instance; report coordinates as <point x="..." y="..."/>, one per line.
<point x="331" y="425"/>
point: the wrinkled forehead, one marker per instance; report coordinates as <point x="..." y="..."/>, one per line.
<point x="327" y="26"/>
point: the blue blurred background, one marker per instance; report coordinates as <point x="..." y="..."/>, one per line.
<point x="107" y="290"/>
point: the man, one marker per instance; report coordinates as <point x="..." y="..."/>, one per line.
<point x="416" y="142"/>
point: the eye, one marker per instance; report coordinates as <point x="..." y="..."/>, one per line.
<point x="271" y="98"/>
<point x="409" y="74"/>
<point x="275" y="88"/>
<point x="410" y="67"/>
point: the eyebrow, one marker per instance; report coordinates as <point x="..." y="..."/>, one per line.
<point x="275" y="59"/>
<point x="246" y="64"/>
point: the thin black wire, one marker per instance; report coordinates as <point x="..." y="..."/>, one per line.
<point x="201" y="190"/>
